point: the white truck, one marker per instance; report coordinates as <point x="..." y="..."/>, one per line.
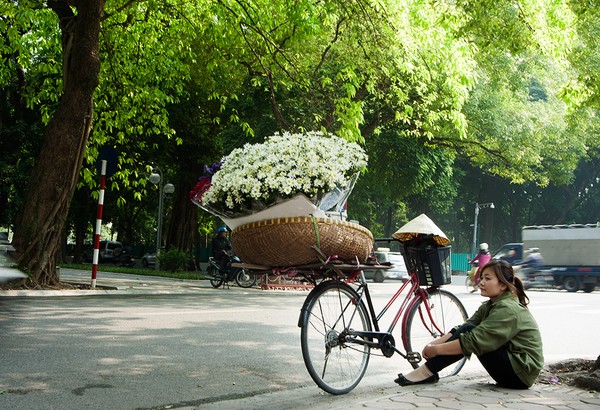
<point x="571" y="255"/>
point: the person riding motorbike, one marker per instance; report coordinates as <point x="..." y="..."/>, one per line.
<point x="220" y="247"/>
<point x="482" y="258"/>
<point x="533" y="263"/>
<point x="220" y="269"/>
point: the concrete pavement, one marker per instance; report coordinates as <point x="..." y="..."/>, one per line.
<point x="467" y="391"/>
<point x="106" y="283"/>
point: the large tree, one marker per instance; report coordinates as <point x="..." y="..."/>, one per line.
<point x="54" y="177"/>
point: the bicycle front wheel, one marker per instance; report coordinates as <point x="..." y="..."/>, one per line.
<point x="447" y="311"/>
<point x="335" y="364"/>
<point x="215" y="280"/>
<point x="470" y="284"/>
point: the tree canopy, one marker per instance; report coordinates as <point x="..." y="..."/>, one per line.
<point x="443" y="95"/>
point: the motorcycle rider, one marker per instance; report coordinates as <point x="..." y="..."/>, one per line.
<point x="534" y="262"/>
<point x="220" y="247"/>
<point x="483" y="257"/>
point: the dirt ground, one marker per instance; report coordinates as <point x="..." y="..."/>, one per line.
<point x="581" y="373"/>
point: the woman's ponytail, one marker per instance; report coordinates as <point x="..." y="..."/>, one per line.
<point x="519" y="289"/>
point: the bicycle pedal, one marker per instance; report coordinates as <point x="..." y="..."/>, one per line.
<point x="413" y="357"/>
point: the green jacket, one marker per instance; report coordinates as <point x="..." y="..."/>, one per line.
<point x="506" y="322"/>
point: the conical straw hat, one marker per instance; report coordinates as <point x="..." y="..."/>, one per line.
<point x="421" y="225"/>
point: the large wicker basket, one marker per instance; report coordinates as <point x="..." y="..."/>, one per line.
<point x="288" y="241"/>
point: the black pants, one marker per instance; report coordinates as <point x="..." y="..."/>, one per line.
<point x="497" y="363"/>
<point x="222" y="259"/>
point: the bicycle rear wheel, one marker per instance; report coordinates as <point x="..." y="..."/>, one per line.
<point x="447" y="311"/>
<point x="330" y="310"/>
<point x="244" y="279"/>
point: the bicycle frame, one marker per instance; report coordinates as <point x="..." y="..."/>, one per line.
<point x="385" y="340"/>
<point x="339" y="323"/>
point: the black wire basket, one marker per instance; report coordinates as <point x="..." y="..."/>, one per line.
<point x="430" y="262"/>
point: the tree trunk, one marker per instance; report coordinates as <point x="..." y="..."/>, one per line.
<point x="389" y="218"/>
<point x="184" y="221"/>
<point x="51" y="185"/>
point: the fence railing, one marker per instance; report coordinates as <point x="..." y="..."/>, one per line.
<point x="460" y="263"/>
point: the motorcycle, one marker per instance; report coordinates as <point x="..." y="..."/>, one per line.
<point x="123" y="258"/>
<point x="530" y="270"/>
<point x="223" y="275"/>
<point x="529" y="275"/>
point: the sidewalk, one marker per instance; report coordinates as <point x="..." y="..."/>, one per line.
<point x="479" y="392"/>
<point x="107" y="283"/>
<point x="468" y="391"/>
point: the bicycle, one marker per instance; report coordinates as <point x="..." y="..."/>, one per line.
<point x="470" y="282"/>
<point x="339" y="325"/>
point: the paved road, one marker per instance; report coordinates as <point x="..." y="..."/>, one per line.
<point x="173" y="344"/>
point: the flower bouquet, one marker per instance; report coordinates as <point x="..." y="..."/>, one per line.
<point x="287" y="176"/>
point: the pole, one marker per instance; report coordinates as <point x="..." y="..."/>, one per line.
<point x="158" y="231"/>
<point x="478" y="206"/>
<point x="98" y="224"/>
<point x="474" y="245"/>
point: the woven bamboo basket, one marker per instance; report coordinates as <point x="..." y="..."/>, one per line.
<point x="288" y="241"/>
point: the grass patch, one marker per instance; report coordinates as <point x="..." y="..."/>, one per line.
<point x="137" y="271"/>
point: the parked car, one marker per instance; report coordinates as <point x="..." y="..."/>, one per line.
<point x="149" y="259"/>
<point x="109" y="251"/>
<point x="397" y="271"/>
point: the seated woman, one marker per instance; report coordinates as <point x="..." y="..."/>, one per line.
<point x="502" y="334"/>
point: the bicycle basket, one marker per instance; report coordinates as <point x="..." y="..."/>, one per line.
<point x="431" y="263"/>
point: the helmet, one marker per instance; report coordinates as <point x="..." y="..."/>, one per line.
<point x="221" y="229"/>
<point x="483" y="246"/>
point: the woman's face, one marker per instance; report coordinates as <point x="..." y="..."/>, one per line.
<point x="489" y="284"/>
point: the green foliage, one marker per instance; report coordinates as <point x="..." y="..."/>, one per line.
<point x="442" y="94"/>
<point x="189" y="275"/>
<point x="584" y="89"/>
<point x="30" y="42"/>
<point x="519" y="137"/>
<point x="402" y="170"/>
<point x="22" y="74"/>
<point x="174" y="260"/>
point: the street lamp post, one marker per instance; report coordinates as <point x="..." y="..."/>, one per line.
<point x="157" y="178"/>
<point x="477" y="208"/>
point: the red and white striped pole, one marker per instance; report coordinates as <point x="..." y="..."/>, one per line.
<point x="98" y="224"/>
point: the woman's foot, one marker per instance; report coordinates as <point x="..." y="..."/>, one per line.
<point x="420" y="375"/>
<point x="403" y="381"/>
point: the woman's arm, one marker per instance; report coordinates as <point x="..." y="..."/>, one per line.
<point x="441" y="339"/>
